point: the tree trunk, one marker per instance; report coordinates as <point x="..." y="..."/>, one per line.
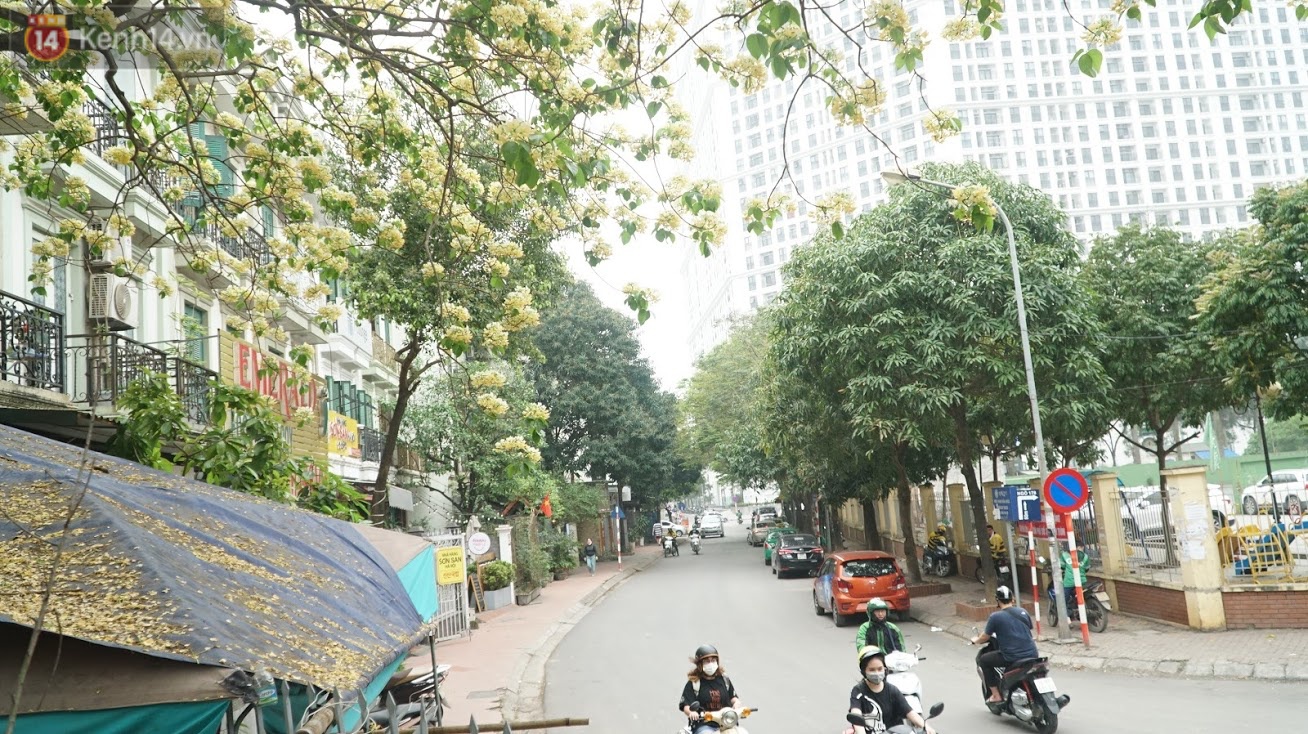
<point x="904" y="500"/>
<point x="871" y="535"/>
<point x="964" y="441"/>
<point x="408" y="382"/>
<point x="1169" y="535"/>
<point x="1135" y="450"/>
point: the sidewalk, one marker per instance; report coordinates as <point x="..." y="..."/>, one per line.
<point x="498" y="671"/>
<point x="1143" y="647"/>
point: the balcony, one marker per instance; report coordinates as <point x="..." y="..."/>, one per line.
<point x="370" y="443"/>
<point x="31" y="344"/>
<point x="104" y="365"/>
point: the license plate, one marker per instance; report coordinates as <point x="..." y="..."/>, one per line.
<point x="1003" y="569"/>
<point x="1045" y="685"/>
<point x="801" y="556"/>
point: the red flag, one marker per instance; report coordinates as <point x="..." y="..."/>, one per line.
<point x="545" y="508"/>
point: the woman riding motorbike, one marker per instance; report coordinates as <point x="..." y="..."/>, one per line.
<point x="881" y="705"/>
<point x="707" y="689"/>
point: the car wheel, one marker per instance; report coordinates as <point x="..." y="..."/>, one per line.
<point x="774" y="570"/>
<point x="840" y="619"/>
<point x="817" y="608"/>
<point x="1250" y="505"/>
<point x="1219" y="520"/>
<point x="780" y="574"/>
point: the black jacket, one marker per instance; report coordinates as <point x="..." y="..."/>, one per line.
<point x="714" y="693"/>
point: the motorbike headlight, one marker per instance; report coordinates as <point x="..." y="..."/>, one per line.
<point x="730" y="719"/>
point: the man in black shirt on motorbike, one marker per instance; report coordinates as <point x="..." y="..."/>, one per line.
<point x="1011" y="628"/>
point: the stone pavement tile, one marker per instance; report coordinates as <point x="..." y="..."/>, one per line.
<point x="1133" y="643"/>
<point x="484" y="663"/>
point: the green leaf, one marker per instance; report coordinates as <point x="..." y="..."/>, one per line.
<point x="757" y="44"/>
<point x="1090" y="62"/>
<point x="838" y="230"/>
<point x="653" y="108"/>
<point x="781" y="66"/>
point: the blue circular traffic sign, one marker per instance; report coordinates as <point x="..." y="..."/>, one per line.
<point x="1066" y="491"/>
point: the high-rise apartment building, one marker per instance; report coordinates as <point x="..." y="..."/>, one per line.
<point x="1175" y="130"/>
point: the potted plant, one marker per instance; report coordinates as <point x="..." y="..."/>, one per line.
<point x="533" y="571"/>
<point x="496" y="578"/>
<point x="563" y="555"/>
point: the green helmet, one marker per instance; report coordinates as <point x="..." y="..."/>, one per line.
<point x="877" y="603"/>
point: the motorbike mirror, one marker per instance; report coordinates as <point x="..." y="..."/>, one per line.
<point x="915" y="649"/>
<point x="936" y="710"/>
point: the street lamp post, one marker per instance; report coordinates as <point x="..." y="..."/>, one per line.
<point x="894" y="177"/>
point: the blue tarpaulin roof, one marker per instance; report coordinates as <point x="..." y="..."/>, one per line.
<point x="180" y="569"/>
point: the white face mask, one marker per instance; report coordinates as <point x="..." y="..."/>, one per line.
<point x="710" y="669"/>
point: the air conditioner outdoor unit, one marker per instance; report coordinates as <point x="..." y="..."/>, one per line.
<point x="112" y="301"/>
<point x="118" y="248"/>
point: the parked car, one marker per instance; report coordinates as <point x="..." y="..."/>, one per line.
<point x="1142" y="511"/>
<point x="765" y="512"/>
<point x="772" y="538"/>
<point x="1291" y="487"/>
<point x="677" y="531"/>
<point x="847" y="580"/>
<point x="802" y="553"/>
<point x="758" y="531"/>
<point x="711" y="526"/>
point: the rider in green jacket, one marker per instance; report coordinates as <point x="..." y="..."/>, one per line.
<point x="879" y="630"/>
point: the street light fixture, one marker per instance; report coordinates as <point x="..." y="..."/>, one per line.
<point x="897" y="177"/>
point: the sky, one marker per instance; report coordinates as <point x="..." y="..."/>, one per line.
<point x="652" y="265"/>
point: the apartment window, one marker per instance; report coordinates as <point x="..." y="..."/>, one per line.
<point x="769" y="279"/>
<point x="753" y="283"/>
<point x="749" y="262"/>
<point x="195" y="329"/>
<point x="766" y="258"/>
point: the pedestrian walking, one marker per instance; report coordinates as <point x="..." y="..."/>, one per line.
<point x="591" y="553"/>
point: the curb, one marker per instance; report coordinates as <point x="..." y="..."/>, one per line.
<point x="524" y="695"/>
<point x="1221" y="669"/>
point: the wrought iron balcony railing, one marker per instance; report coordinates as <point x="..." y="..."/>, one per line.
<point x="31" y="344"/>
<point x="104" y="365"/>
<point x="370" y="443"/>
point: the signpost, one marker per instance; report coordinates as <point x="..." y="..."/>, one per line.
<point x="1067" y="491"/>
<point x="1014" y="503"/>
<point x="449" y="566"/>
<point x="479" y="544"/>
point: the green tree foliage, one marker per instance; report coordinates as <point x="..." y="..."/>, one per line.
<point x="722" y="420"/>
<point x="608" y="418"/>
<point x="911" y="319"/>
<point x="242" y="446"/>
<point x="459" y="417"/>
<point x="1254" y="305"/>
<point x="1288" y="435"/>
<point x="1142" y="285"/>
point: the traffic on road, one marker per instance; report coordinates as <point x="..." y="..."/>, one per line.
<point x="785" y="656"/>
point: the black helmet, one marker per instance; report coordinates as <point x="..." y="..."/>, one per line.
<point x="705" y="651"/>
<point x="1003" y="595"/>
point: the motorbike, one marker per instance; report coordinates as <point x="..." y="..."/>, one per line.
<point x="410" y="697"/>
<point x="1002" y="570"/>
<point x="940" y="560"/>
<point x="1097" y="605"/>
<point x="670" y="546"/>
<point x="694" y="543"/>
<point x="727" y="720"/>
<point x="871" y="722"/>
<point x="740" y="519"/>
<point x="900" y="664"/>
<point x="1028" y="693"/>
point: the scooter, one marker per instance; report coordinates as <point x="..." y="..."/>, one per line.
<point x="1028" y="693"/>
<point x="670" y="546"/>
<point x="694" y="543"/>
<point x="727" y="719"/>
<point x="940" y="560"/>
<point x="1002" y="570"/>
<point x="872" y="722"/>
<point x="901" y="675"/>
<point x="1097" y="605"/>
<point x="411" y="697"/>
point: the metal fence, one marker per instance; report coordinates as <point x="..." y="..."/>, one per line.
<point x="452" y="619"/>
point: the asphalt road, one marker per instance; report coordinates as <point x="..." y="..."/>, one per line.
<point x="624" y="664"/>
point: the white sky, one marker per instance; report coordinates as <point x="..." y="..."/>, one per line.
<point x="652" y="265"/>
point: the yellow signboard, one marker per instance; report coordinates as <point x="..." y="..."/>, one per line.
<point x="342" y="435"/>
<point x="449" y="566"/>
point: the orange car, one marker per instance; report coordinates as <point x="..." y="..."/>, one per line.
<point x="847" y="580"/>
